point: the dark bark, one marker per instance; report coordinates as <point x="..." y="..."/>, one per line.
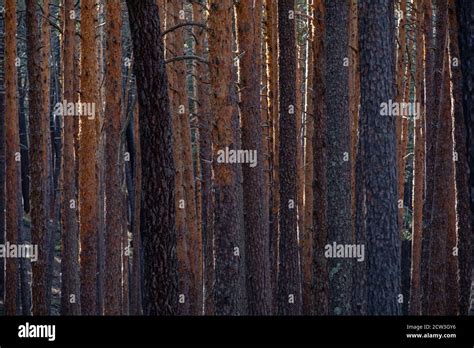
<point x="255" y="205"/>
<point x="377" y="136"/>
<point x="465" y="13"/>
<point x="289" y="292"/>
<point x="158" y="201"/>
<point x="320" y="269"/>
<point x="462" y="168"/>
<point x="338" y="168"/>
<point x="2" y="151"/>
<point x="227" y="220"/>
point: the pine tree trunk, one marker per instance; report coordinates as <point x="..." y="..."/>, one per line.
<point x="38" y="151"/>
<point x="88" y="162"/>
<point x="12" y="163"/>
<point x="2" y="151"/>
<point x="289" y="287"/>
<point x="226" y="194"/>
<point x="274" y="200"/>
<point x="173" y="43"/>
<point x="418" y="168"/>
<point x="205" y="157"/>
<point x="70" y="291"/>
<point x="338" y="168"/>
<point x="461" y="168"/>
<point x="307" y="228"/>
<point x="320" y="267"/>
<point x="255" y="204"/>
<point x="378" y="144"/>
<point x="158" y="227"/>
<point x="113" y="160"/>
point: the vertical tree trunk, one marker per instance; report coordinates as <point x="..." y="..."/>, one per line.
<point x="255" y="204"/>
<point x="289" y="287"/>
<point x="158" y="228"/>
<point x="461" y="167"/>
<point x="338" y="168"/>
<point x="136" y="282"/>
<point x="70" y="229"/>
<point x="39" y="127"/>
<point x="12" y="157"/>
<point x="173" y="43"/>
<point x="378" y="143"/>
<point x="307" y="227"/>
<point x="113" y="159"/>
<point x="226" y="194"/>
<point x="88" y="166"/>
<point x="47" y="154"/>
<point x="2" y="151"/>
<point x="320" y="267"/>
<point x="429" y="119"/>
<point x="418" y="168"/>
<point x="205" y="157"/>
<point x="274" y="201"/>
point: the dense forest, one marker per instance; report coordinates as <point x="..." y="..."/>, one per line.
<point x="236" y="157"/>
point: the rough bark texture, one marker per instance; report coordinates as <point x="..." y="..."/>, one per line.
<point x="113" y="159"/>
<point x="173" y="43"/>
<point x="88" y="161"/>
<point x="338" y="155"/>
<point x="429" y="119"/>
<point x="255" y="205"/>
<point x="289" y="295"/>
<point x="274" y="201"/>
<point x="226" y="191"/>
<point x="205" y="154"/>
<point x="307" y="226"/>
<point x="70" y="280"/>
<point x="418" y="168"/>
<point x="12" y="150"/>
<point x="158" y="229"/>
<point x="2" y="150"/>
<point x="466" y="45"/>
<point x="442" y="218"/>
<point x="38" y="160"/>
<point x="377" y="134"/>
<point x="461" y="168"/>
<point x="320" y="268"/>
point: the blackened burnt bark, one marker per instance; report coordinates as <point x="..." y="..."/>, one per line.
<point x="289" y="296"/>
<point x="338" y="152"/>
<point x="158" y="206"/>
<point x="465" y="12"/>
<point x="377" y="136"/>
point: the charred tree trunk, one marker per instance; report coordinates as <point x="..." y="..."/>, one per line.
<point x="158" y="228"/>
<point x="378" y="148"/>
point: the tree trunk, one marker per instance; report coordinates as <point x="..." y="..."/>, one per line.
<point x="320" y="267"/>
<point x="255" y="203"/>
<point x="39" y="127"/>
<point x="226" y="194"/>
<point x="113" y="160"/>
<point x="70" y="291"/>
<point x="12" y="158"/>
<point x="418" y="168"/>
<point x="205" y="157"/>
<point x="88" y="166"/>
<point x="274" y="200"/>
<point x="338" y="168"/>
<point x="378" y="143"/>
<point x="289" y="287"/>
<point x="158" y="228"/>
<point x="461" y="168"/>
<point x="2" y="152"/>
